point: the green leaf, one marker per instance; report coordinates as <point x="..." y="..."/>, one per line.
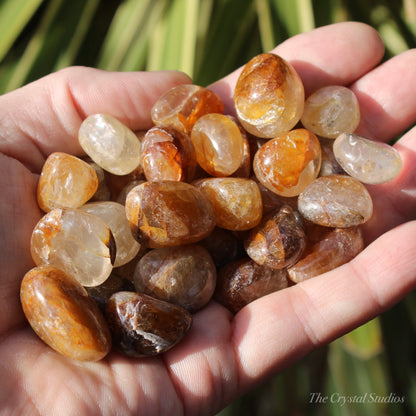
<point x="14" y="16"/>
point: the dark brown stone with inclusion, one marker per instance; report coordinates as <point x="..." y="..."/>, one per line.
<point x="143" y="326"/>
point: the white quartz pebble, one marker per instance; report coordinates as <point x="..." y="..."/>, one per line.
<point x="366" y="160"/>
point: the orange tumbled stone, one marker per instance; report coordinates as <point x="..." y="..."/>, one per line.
<point x="168" y="154"/>
<point x="289" y="162"/>
<point x="218" y="144"/>
<point x="269" y="96"/>
<point x="278" y="241"/>
<point x="63" y="315"/>
<point x="169" y="213"/>
<point x="236" y="201"/>
<point x="183" y="105"/>
<point x="338" y="246"/>
<point x="65" y="182"/>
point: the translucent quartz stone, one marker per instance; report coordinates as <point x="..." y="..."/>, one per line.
<point x="168" y="154"/>
<point x="77" y="242"/>
<point x="143" y="326"/>
<point x="224" y="246"/>
<point x="65" y="182"/>
<point x="368" y="161"/>
<point x="244" y="281"/>
<point x="269" y="96"/>
<point x="329" y="165"/>
<point x="218" y="143"/>
<point x="236" y="201"/>
<point x="183" y="275"/>
<point x="336" y="201"/>
<point x="337" y="247"/>
<point x="288" y="163"/>
<point x="114" y="215"/>
<point x="169" y="213"/>
<point x="110" y="144"/>
<point x="244" y="170"/>
<point x="278" y="241"/>
<point x="183" y="105"/>
<point x="103" y="192"/>
<point x="102" y="293"/>
<point x="331" y="111"/>
<point x="63" y="315"/>
<point x="117" y="183"/>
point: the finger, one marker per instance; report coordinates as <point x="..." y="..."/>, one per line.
<point x="288" y="324"/>
<point x="322" y="57"/>
<point x="387" y="97"/>
<point x="45" y="116"/>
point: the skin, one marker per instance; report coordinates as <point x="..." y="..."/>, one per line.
<point x="219" y="359"/>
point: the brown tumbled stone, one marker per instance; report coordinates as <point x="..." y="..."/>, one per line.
<point x="244" y="281"/>
<point x="63" y="315"/>
<point x="143" y="326"/>
<point x="183" y="275"/>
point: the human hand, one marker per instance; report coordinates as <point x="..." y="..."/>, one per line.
<point x="222" y="356"/>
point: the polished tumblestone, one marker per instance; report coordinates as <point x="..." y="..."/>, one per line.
<point x="278" y="241"/>
<point x="114" y="215"/>
<point x="63" y="315"/>
<point x="77" y="242"/>
<point x="330" y="111"/>
<point x="65" y="182"/>
<point x="289" y="162"/>
<point x="183" y="275"/>
<point x="338" y="246"/>
<point x="336" y="201"/>
<point x="236" y="201"/>
<point x="218" y="144"/>
<point x="366" y="160"/>
<point x="269" y="96"/>
<point x="183" y="105"/>
<point x="110" y="144"/>
<point x="244" y="281"/>
<point x="143" y="326"/>
<point x="169" y="213"/>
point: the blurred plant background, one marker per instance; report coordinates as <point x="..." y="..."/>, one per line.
<point x="208" y="39"/>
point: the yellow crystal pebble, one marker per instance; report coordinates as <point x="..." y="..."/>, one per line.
<point x="110" y="144"/>
<point x="76" y="242"/>
<point x="65" y="182"/>
<point x="331" y="111"/>
<point x="218" y="143"/>
<point x="114" y="215"/>
<point x="269" y="96"/>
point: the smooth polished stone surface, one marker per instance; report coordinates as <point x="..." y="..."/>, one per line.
<point x="278" y="241"/>
<point x="63" y="315"/>
<point x="169" y="213"/>
<point x="142" y="326"/>
<point x="269" y="96"/>
<point x="77" y="242"/>
<point x="65" y="182"/>
<point x="183" y="105"/>
<point x="244" y="281"/>
<point x="168" y="154"/>
<point x="330" y="111"/>
<point x="329" y="164"/>
<point x="110" y="144"/>
<point x="336" y="201"/>
<point x="289" y="162"/>
<point x="183" y="275"/>
<point x="218" y="144"/>
<point x="366" y="160"/>
<point x="114" y="215"/>
<point x="236" y="201"/>
<point x="336" y="248"/>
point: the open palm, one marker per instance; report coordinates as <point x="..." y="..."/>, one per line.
<point x="222" y="356"/>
